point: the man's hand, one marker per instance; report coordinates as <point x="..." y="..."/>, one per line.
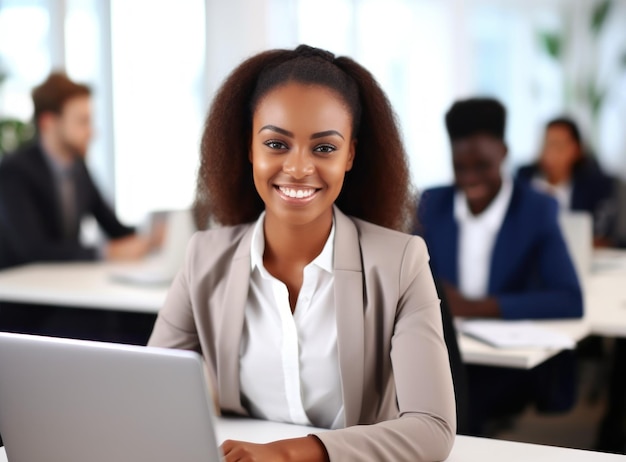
<point x="463" y="307"/>
<point x="127" y="248"/>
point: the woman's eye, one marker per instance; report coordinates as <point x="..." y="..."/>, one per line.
<point x="273" y="144"/>
<point x="325" y="148"/>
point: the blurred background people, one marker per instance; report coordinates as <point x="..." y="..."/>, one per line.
<point x="495" y="243"/>
<point x="46" y="190"/>
<point x="574" y="178"/>
<point x="497" y="249"/>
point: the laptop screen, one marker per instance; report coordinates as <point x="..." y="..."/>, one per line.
<point x="72" y="401"/>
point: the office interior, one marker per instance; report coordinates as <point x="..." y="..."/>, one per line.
<point x="154" y="66"/>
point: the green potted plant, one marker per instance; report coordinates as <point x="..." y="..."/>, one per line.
<point x="587" y="89"/>
<point x="13" y="132"/>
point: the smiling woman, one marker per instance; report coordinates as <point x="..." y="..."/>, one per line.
<point x="296" y="305"/>
<point x="305" y="162"/>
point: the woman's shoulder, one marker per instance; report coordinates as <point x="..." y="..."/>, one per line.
<point x="215" y="243"/>
<point x="392" y="255"/>
<point x="527" y="172"/>
<point x="223" y="233"/>
<point x="384" y="241"/>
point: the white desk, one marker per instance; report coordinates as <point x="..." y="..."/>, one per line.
<point x="476" y="352"/>
<point x="85" y="285"/>
<point x="466" y="449"/>
<point x="606" y="293"/>
<point x="89" y="285"/>
<point x="605" y="314"/>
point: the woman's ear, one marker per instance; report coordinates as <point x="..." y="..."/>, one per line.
<point x="351" y="155"/>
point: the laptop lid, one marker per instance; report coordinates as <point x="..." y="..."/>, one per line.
<point x="176" y="228"/>
<point x="577" y="229"/>
<point x="73" y="401"/>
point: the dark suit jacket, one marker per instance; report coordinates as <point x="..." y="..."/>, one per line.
<point x="30" y="214"/>
<point x="531" y="273"/>
<point x="592" y="191"/>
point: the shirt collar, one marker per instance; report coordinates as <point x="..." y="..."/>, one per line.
<point x="58" y="168"/>
<point x="324" y="260"/>
<point x="493" y="215"/>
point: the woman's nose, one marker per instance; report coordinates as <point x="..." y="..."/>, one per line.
<point x="298" y="164"/>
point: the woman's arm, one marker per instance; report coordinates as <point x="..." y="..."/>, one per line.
<point x="425" y="426"/>
<point x="175" y="326"/>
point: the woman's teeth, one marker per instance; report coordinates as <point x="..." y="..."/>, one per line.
<point x="296" y="193"/>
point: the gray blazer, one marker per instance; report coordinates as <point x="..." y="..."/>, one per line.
<point x="396" y="382"/>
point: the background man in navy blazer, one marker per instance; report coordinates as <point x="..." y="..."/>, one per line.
<point x="45" y="189"/>
<point x="498" y="251"/>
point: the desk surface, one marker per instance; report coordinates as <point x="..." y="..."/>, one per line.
<point x="605" y="314"/>
<point x="476" y="352"/>
<point x="465" y="449"/>
<point x="90" y="285"/>
<point x="85" y="285"/>
<point x="606" y="294"/>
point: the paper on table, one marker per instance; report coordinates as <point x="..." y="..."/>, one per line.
<point x="515" y="334"/>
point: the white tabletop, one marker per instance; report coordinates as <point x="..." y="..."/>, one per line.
<point x="606" y="293"/>
<point x="90" y="285"/>
<point x="476" y="352"/>
<point x="605" y="314"/>
<point x="85" y="285"/>
<point x="466" y="449"/>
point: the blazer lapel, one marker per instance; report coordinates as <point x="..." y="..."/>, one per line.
<point x="48" y="192"/>
<point x="508" y="240"/>
<point x="231" y="326"/>
<point x="448" y="238"/>
<point x="350" y="315"/>
<point x="443" y="241"/>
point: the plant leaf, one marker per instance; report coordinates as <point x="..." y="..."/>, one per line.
<point x="552" y="44"/>
<point x="595" y="97"/>
<point x="599" y="15"/>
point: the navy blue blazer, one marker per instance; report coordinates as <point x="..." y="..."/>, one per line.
<point x="531" y="274"/>
<point x="30" y="213"/>
<point x="592" y="191"/>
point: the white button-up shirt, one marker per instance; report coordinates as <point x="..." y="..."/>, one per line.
<point x="288" y="363"/>
<point x="561" y="192"/>
<point x="477" y="237"/>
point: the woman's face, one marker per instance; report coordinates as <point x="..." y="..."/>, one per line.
<point x="560" y="153"/>
<point x="300" y="151"/>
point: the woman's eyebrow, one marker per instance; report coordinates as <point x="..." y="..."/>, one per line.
<point x="326" y="133"/>
<point x="276" y="129"/>
<point x="289" y="134"/>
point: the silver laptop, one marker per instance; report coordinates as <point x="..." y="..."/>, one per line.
<point x="76" y="401"/>
<point x="161" y="268"/>
<point x="577" y="229"/>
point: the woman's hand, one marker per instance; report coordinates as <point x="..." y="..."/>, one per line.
<point x="307" y="449"/>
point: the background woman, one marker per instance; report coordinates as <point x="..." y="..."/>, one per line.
<point x="574" y="178"/>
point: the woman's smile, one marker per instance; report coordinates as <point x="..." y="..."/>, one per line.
<point x="301" y="150"/>
<point x="298" y="195"/>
